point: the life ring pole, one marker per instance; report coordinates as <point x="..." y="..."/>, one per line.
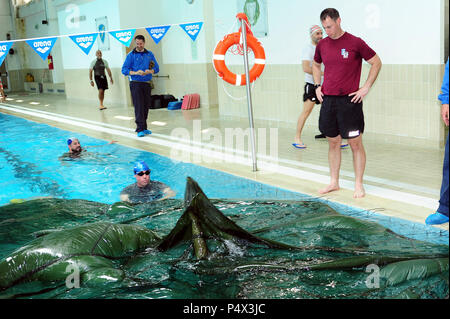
<point x="249" y="93"/>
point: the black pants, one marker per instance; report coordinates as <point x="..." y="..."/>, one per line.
<point x="141" y="95"/>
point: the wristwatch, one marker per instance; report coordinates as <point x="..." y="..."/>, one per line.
<point x="316" y="86"/>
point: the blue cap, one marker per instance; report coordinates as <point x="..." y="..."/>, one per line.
<point x="140" y="166"/>
<point x="70" y="140"/>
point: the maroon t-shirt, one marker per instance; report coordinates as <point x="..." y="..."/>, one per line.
<point x="343" y="60"/>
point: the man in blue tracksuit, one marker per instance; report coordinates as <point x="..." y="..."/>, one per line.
<point x="140" y="65"/>
<point x="441" y="215"/>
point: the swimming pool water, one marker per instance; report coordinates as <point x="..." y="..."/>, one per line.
<point x="30" y="166"/>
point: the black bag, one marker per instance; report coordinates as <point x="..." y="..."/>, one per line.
<point x="166" y="99"/>
<point x="156" y="101"/>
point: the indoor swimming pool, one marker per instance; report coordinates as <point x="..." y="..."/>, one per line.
<point x="32" y="166"/>
<point x="63" y="193"/>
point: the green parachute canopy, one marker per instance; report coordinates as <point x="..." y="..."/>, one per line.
<point x="244" y="249"/>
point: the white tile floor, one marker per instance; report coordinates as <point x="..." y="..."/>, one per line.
<point x="400" y="180"/>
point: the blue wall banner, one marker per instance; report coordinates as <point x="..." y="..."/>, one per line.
<point x="192" y="29"/>
<point x="4" y="49"/>
<point x="124" y="36"/>
<point x="42" y="46"/>
<point x="84" y="41"/>
<point x="157" y="33"/>
<point x="103" y="38"/>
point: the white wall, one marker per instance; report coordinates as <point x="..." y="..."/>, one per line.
<point x="29" y="25"/>
<point x="32" y="27"/>
<point x="73" y="56"/>
<point x="5" y="19"/>
<point x="6" y="26"/>
<point x="177" y="47"/>
<point x="400" y="31"/>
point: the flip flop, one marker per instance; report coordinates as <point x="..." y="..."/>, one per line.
<point x="300" y="146"/>
<point x="103" y="108"/>
<point x="344" y="145"/>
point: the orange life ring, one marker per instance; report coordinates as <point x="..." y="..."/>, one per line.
<point x="219" y="59"/>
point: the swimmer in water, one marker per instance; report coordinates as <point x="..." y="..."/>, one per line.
<point x="74" y="145"/>
<point x="75" y="148"/>
<point x="145" y="190"/>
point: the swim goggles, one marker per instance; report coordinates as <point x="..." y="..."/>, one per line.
<point x="147" y="172"/>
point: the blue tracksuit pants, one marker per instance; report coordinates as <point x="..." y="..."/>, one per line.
<point x="443" y="201"/>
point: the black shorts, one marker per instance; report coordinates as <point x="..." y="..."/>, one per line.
<point x="101" y="82"/>
<point x="340" y="116"/>
<point x="310" y="93"/>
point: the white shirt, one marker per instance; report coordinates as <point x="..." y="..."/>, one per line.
<point x="308" y="55"/>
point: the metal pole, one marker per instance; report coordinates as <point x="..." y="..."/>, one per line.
<point x="249" y="95"/>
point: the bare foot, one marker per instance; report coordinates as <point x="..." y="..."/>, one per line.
<point x="359" y="192"/>
<point x="329" y="188"/>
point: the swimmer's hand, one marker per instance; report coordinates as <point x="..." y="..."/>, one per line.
<point x="124" y="198"/>
<point x="168" y="192"/>
<point x="91" y="146"/>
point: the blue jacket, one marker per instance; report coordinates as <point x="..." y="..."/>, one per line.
<point x="136" y="61"/>
<point x="443" y="97"/>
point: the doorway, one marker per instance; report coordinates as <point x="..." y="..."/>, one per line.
<point x="5" y="77"/>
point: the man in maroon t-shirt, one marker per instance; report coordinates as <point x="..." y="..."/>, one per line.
<point x="341" y="114"/>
